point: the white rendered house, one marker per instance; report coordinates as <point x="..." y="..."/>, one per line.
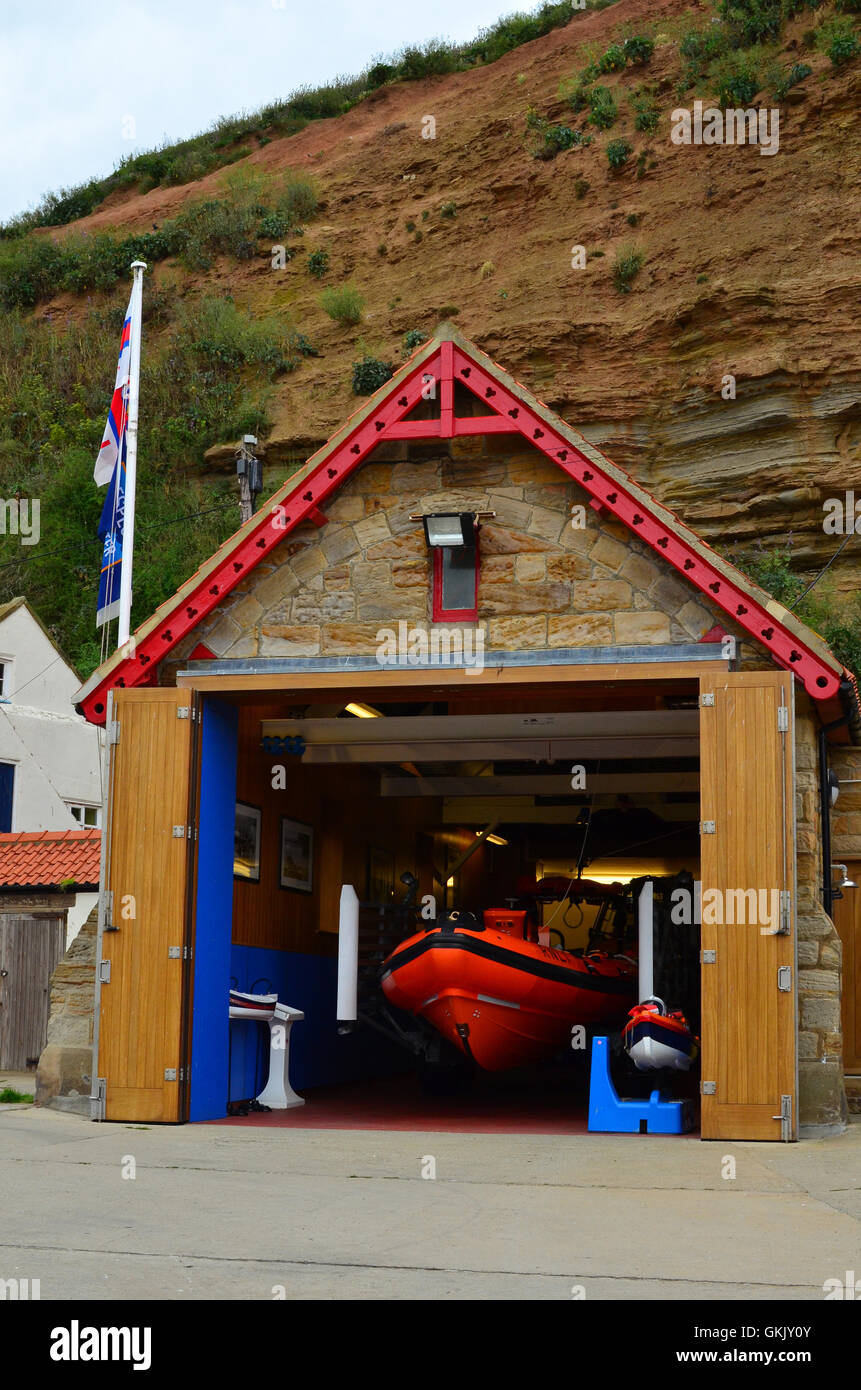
<point x="50" y="758"/>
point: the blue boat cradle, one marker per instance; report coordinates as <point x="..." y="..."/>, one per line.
<point x="610" y="1115"/>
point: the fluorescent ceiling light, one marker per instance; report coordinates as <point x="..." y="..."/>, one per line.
<point x="363" y="711"/>
<point x="493" y="839"/>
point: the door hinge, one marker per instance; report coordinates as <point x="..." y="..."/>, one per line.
<point x="707" y="699"/>
<point x="170" y="1074"/>
<point x="783" y="719"/>
<point x="708" y="957"/>
<point x="179" y="832"/>
<point x="784" y="978"/>
<point x="105" y="972"/>
<point x="785" y="1118"/>
<point x="97" y="1099"/>
<point x="179" y="952"/>
<point x="109" y="911"/>
<point x="186" y="712"/>
<point x="707" y="827"/>
<point x="708" y="1088"/>
<point x="114" y="731"/>
<point x="785" y="926"/>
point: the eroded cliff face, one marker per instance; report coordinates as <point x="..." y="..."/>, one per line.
<point x="752" y="269"/>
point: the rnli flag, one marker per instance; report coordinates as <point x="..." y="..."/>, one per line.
<point x="115" y="430"/>
<point x="111" y="468"/>
<point x="111" y="536"/>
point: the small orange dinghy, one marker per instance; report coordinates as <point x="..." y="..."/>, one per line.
<point x="501" y="1000"/>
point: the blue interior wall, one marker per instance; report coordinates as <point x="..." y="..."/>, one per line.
<point x="229" y="1061"/>
<point x="214" y="916"/>
<point x="319" y="1055"/>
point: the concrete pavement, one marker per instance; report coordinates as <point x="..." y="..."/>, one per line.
<point x="218" y="1211"/>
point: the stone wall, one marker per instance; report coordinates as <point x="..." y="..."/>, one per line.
<point x="846" y="816"/>
<point x="63" y="1077"/>
<point x="821" y="1096"/>
<point x="544" y="583"/>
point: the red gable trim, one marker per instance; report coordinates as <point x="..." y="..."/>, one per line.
<point x="383" y="420"/>
<point x="44" y="858"/>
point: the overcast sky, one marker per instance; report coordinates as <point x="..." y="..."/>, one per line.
<point x="71" y="71"/>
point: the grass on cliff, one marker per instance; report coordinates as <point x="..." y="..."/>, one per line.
<point x="204" y="378"/>
<point x="836" y="617"/>
<point x="185" y="161"/>
<point x="250" y="211"/>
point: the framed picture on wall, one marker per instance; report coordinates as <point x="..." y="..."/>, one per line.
<point x="297" y="855"/>
<point x="246" y="842"/>
<point x="381" y="875"/>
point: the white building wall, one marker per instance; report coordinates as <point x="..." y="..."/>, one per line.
<point x="56" y="754"/>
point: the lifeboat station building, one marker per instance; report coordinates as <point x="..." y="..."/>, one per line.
<point x="461" y="646"/>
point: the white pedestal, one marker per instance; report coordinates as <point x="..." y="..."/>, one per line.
<point x="278" y="1094"/>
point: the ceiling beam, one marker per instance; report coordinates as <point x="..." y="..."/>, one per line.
<point x="541" y="784"/>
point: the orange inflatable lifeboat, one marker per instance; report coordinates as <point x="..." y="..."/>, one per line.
<point x="501" y="1000"/>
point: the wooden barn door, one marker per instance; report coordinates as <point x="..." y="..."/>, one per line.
<point x="30" y="951"/>
<point x="146" y="939"/>
<point x="748" y="843"/>
<point x="847" y="920"/>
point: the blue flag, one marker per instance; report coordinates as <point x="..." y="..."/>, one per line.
<point x="111" y="533"/>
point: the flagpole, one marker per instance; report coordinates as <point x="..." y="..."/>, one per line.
<point x="138" y="268"/>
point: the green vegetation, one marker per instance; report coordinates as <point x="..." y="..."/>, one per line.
<point x="613" y="60"/>
<point x="448" y="210"/>
<point x="618" y="152"/>
<point x="204" y="379"/>
<point x="34" y="268"/>
<point x="737" y="79"/>
<point x="186" y="160"/>
<point x="343" y="303"/>
<point x="638" y="50"/>
<point x="646" y="108"/>
<point x="837" y="38"/>
<point x="784" y="81"/>
<point x="9" y="1096"/>
<point x="602" y="108"/>
<point x="627" y="264"/>
<point x="836" y="617"/>
<point x="369" y="374"/>
<point x="413" y="339"/>
<point x="318" y="263"/>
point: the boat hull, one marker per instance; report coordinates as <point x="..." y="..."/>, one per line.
<point x="501" y="1001"/>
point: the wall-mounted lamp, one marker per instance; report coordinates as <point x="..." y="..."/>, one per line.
<point x="452" y="539"/>
<point x="453" y="529"/>
<point x="845" y="880"/>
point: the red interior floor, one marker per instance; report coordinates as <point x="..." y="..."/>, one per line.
<point x="397" y="1102"/>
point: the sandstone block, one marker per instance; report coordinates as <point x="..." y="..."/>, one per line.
<point x="823" y="1014"/>
<point x="505" y="598"/>
<point x="611" y="553"/>
<point x="340" y="545"/>
<point x="529" y="567"/>
<point x="280" y="640"/>
<point x="310" y="561"/>
<point x="636" y="628"/>
<point x="513" y="633"/>
<point x="546" y="523"/>
<point x="372" y="529"/>
<point x="600" y="595"/>
<point x="568" y="567"/>
<point x="582" y="630"/>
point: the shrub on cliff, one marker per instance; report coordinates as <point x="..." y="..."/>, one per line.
<point x="369" y="374"/>
<point x="343" y="303"/>
<point x="837" y="38"/>
<point x="618" y="152"/>
<point x="627" y="264"/>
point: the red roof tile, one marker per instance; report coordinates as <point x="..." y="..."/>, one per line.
<point x="45" y="858"/>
